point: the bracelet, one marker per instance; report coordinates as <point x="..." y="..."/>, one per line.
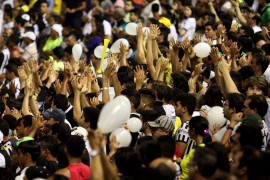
<point x="230" y="128"/>
<point x="105" y="88"/>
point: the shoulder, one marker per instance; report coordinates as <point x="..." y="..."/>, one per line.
<point x="64" y="172"/>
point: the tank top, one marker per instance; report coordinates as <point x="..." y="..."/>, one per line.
<point x="79" y="171"/>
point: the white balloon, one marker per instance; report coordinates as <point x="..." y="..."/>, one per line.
<point x="116" y="45"/>
<point x="123" y="136"/>
<point x="114" y="114"/>
<point x="202" y="49"/>
<point x="77" y="52"/>
<point x="215" y="116"/>
<point x="131" y="29"/>
<point x="134" y="124"/>
<point x="99" y="50"/>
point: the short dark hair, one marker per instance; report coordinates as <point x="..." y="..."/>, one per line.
<point x="30" y="147"/>
<point x="128" y="161"/>
<point x="186" y="100"/>
<point x="4" y="128"/>
<point x="149" y="95"/>
<point x="206" y="160"/>
<point x="50" y="143"/>
<point x="75" y="146"/>
<point x="135" y="11"/>
<point x="266" y="48"/>
<point x="125" y="74"/>
<point x="262" y="61"/>
<point x="155" y="7"/>
<point x="14" y="103"/>
<point x="91" y="115"/>
<point x="213" y="25"/>
<point x="236" y="100"/>
<point x="167" y="146"/>
<point x="26" y="120"/>
<point x="133" y="96"/>
<point x="12" y="68"/>
<point x="11" y="120"/>
<point x="61" y="101"/>
<point x="160" y="89"/>
<point x="250" y="136"/>
<point x="259" y="103"/>
<point x="180" y="81"/>
<point x="59" y="52"/>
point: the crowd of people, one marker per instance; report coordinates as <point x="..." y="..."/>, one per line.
<point x="51" y="103"/>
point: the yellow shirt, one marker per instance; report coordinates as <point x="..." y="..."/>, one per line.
<point x="52" y="43"/>
<point x="57" y="65"/>
<point x="177" y="124"/>
<point x="185" y="163"/>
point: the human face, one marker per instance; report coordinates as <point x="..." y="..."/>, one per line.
<point x="236" y="157"/>
<point x="157" y="132"/>
<point x="22" y="158"/>
<point x="128" y="6"/>
<point x="260" y="43"/>
<point x="178" y="109"/>
<point x="246" y="109"/>
<point x="226" y="110"/>
<point x="21" y="130"/>
<point x="54" y="34"/>
<point x="187" y="11"/>
<point x="43" y="8"/>
<point x="253" y="64"/>
<point x="209" y="32"/>
<point x="70" y="41"/>
<point x="254" y="91"/>
<point x="133" y="17"/>
<point x="50" y="121"/>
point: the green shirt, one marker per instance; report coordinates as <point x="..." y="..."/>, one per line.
<point x="265" y="15"/>
<point x="52" y="43"/>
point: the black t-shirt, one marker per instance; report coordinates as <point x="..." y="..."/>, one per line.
<point x="51" y="166"/>
<point x="72" y="4"/>
<point x="69" y="117"/>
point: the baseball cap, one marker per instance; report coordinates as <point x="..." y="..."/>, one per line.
<point x="58" y="28"/>
<point x="56" y="114"/>
<point x="31" y="35"/>
<point x="252" y="119"/>
<point x="164" y="122"/>
<point x="165" y="21"/>
<point x="80" y="131"/>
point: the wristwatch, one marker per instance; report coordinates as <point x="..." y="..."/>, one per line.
<point x="94" y="153"/>
<point x="230" y="127"/>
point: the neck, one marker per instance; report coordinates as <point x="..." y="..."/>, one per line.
<point x="185" y="117"/>
<point x="29" y="164"/>
<point x="198" y="139"/>
<point x="73" y="160"/>
<point x="133" y="110"/>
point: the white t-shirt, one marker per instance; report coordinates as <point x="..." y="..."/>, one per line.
<point x="107" y="28"/>
<point x="6" y="54"/>
<point x="87" y="29"/>
<point x="16" y="81"/>
<point x="30" y="51"/>
<point x="267" y="74"/>
<point x="147" y="11"/>
<point x="189" y="25"/>
<point x="256" y="29"/>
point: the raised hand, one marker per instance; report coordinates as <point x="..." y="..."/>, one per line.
<point x="221" y="30"/>
<point x="164" y="64"/>
<point x="22" y="74"/>
<point x="27" y="69"/>
<point x="82" y="65"/>
<point x="244" y="61"/>
<point x="140" y="33"/>
<point x="139" y="75"/>
<point x="225" y="50"/>
<point x="154" y="31"/>
<point x="199" y="69"/>
<point x="48" y="64"/>
<point x="94" y="102"/>
<point x="186" y="45"/>
<point x="53" y="76"/>
<point x="33" y="65"/>
<point x="123" y="49"/>
<point x="77" y="86"/>
<point x="214" y="54"/>
<point x="174" y="45"/>
<point x="223" y="65"/>
<point x="234" y="49"/>
<point x="110" y="70"/>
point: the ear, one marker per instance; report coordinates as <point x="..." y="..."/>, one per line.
<point x="232" y="110"/>
<point x="184" y="109"/>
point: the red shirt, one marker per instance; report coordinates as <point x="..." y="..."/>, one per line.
<point x="79" y="171"/>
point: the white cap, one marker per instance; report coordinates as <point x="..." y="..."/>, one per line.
<point x="26" y="17"/>
<point x="31" y="35"/>
<point x="58" y="28"/>
<point x="80" y="131"/>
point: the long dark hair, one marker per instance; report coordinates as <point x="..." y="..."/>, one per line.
<point x="201" y="127"/>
